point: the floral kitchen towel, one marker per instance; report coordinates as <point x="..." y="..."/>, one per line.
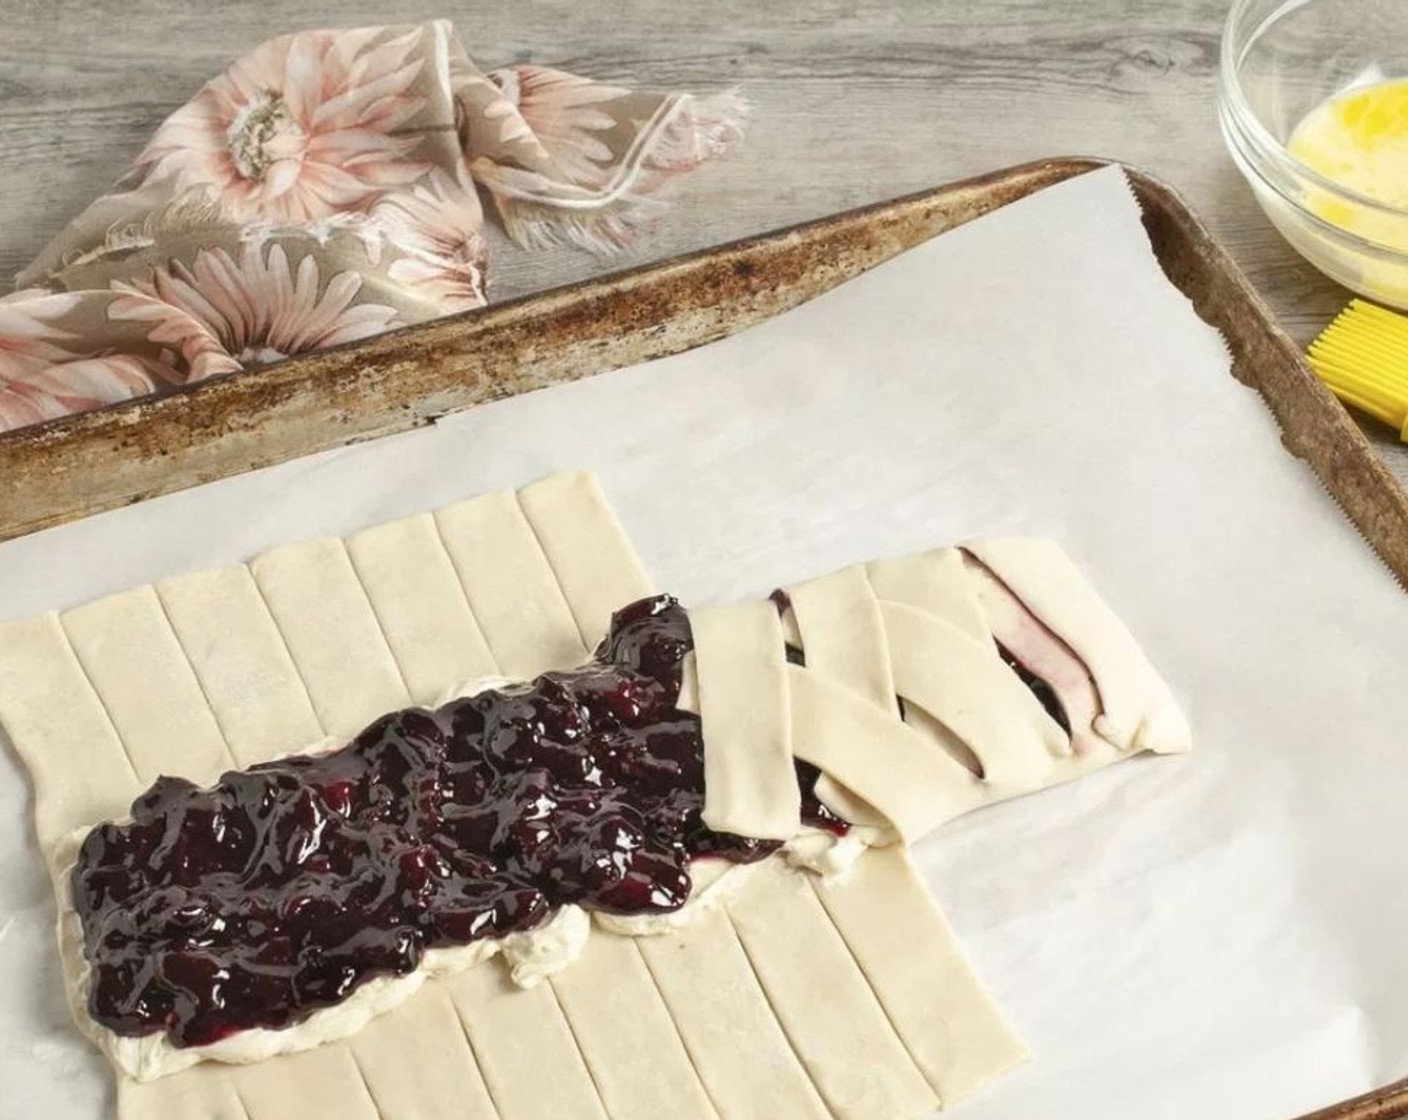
<point x="324" y="188"/>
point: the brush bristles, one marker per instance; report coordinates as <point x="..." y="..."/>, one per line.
<point x="1363" y="357"/>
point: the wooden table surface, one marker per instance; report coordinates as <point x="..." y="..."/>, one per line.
<point x="856" y="101"/>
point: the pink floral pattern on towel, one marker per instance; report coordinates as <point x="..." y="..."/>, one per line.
<point x="50" y="367"/>
<point x="302" y="128"/>
<point x="325" y="188"/>
<point x="223" y="314"/>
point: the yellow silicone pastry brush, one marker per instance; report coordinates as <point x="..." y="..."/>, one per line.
<point x="1363" y="357"/>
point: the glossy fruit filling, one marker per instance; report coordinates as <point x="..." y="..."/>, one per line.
<point x="285" y="886"/>
<point x="1039" y="688"/>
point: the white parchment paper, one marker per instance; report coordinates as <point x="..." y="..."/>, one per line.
<point x="1220" y="935"/>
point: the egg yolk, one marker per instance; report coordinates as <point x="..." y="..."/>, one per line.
<point x="1359" y="139"/>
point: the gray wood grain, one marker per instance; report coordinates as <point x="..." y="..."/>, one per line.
<point x="857" y="101"/>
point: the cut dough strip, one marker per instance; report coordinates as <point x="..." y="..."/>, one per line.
<point x="421" y="606"/>
<point x="530" y="1060"/>
<point x="511" y="586"/>
<point x="935" y="583"/>
<point x="62" y="733"/>
<point x="334" y="637"/>
<point x="125" y="642"/>
<point x="952" y="1028"/>
<point x="915" y="785"/>
<point x="418" y="1065"/>
<point x="728" y="1027"/>
<point x="589" y="552"/>
<point x="837" y="1028"/>
<point x="1032" y="644"/>
<point x="636" y="1058"/>
<point x="1009" y="716"/>
<point x="750" y="785"/>
<point x="330" y="1086"/>
<point x="843" y="634"/>
<point x="242" y="662"/>
<point x="207" y="1091"/>
<point x="1139" y="710"/>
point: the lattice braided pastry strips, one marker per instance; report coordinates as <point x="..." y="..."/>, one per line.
<point x="922" y="687"/>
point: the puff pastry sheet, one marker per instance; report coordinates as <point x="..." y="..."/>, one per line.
<point x="794" y="999"/>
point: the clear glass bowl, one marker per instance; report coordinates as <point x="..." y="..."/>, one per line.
<point x="1281" y="59"/>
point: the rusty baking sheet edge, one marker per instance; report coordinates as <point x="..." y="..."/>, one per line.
<point x="80" y="465"/>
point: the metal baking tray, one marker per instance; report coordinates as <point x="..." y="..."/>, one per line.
<point x="111" y="457"/>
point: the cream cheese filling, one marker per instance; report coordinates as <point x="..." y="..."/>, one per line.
<point x="715" y="881"/>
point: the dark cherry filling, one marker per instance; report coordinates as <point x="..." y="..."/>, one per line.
<point x="1039" y="688"/>
<point x="285" y="886"/>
